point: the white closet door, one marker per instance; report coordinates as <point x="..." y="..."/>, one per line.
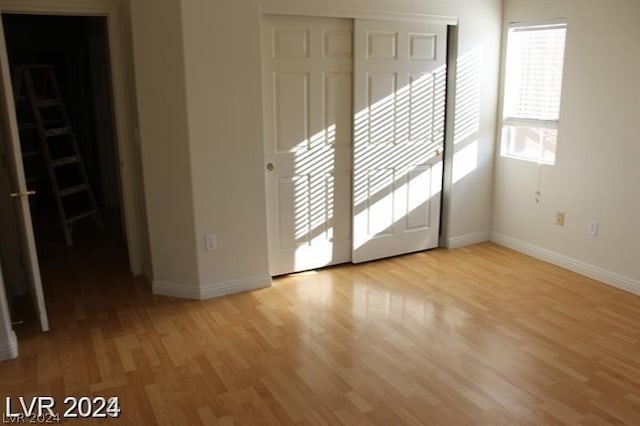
<point x="307" y="92"/>
<point x="399" y="98"/>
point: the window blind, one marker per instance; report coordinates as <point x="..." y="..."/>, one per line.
<point x="535" y="60"/>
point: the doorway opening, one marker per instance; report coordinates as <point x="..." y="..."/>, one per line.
<point x="76" y="48"/>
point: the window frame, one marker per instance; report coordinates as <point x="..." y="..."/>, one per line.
<point x="508" y="122"/>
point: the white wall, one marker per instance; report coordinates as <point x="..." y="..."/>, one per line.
<point x="222" y="129"/>
<point x="222" y="57"/>
<point x="596" y="173"/>
<point x="162" y="117"/>
<point x="469" y="219"/>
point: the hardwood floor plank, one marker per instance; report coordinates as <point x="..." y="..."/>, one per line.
<point x="478" y="335"/>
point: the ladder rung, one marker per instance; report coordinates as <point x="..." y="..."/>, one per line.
<point x="29" y="154"/>
<point x="73" y="190"/>
<point x="57" y="132"/>
<point x="45" y="103"/>
<point x="82" y="215"/>
<point x="65" y="160"/>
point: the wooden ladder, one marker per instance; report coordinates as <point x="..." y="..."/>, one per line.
<point x="58" y="148"/>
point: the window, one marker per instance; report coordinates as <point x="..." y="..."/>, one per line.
<point x="533" y="85"/>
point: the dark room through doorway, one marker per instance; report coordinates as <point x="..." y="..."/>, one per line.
<point x="76" y="49"/>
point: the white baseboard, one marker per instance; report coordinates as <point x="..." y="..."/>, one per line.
<point x="9" y="350"/>
<point x="467" y="240"/>
<point x="212" y="290"/>
<point x="165" y="288"/>
<point x="582" y="268"/>
<point x="223" y="288"/>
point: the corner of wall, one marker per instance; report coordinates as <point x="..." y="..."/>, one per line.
<point x="171" y="289"/>
<point x="160" y="85"/>
<point x="467" y="240"/>
<point x="211" y="290"/>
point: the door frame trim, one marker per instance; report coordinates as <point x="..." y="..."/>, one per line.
<point x="121" y="101"/>
<point x="294" y="8"/>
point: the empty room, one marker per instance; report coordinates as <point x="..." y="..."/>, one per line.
<point x="339" y="212"/>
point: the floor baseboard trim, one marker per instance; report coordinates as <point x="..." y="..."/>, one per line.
<point x="611" y="278"/>
<point x="165" y="288"/>
<point x="468" y="239"/>
<point x="209" y="291"/>
<point x="10" y="349"/>
<point x="224" y="288"/>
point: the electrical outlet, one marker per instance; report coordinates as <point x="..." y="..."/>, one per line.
<point x="211" y="243"/>
<point x="593" y="228"/>
<point x="560" y="218"/>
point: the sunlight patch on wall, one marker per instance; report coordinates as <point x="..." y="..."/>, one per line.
<point x="465" y="161"/>
<point x="467" y="112"/>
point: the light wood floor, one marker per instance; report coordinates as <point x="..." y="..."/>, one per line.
<point x="474" y="336"/>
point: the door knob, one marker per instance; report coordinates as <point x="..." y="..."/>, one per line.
<point x="270" y="167"/>
<point x="22" y="194"/>
<point x="438" y="152"/>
